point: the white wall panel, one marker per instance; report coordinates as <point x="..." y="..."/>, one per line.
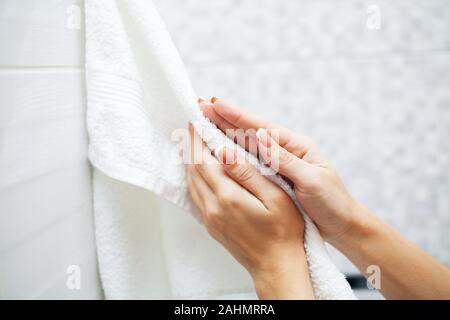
<point x="42" y="261"/>
<point x="29" y="207"/>
<point x="36" y="33"/>
<point x="46" y="222"/>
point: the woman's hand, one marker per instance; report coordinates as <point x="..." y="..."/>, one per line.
<point x="316" y="183"/>
<point x="252" y="218"/>
<point x="405" y="271"/>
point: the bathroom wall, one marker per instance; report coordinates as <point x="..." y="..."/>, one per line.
<point x="376" y="100"/>
<point x="46" y="223"/>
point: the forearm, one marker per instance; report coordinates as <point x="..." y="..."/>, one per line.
<point x="288" y="278"/>
<point x="406" y="271"/>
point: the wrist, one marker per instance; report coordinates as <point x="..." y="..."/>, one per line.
<point x="361" y="226"/>
<point x="285" y="276"/>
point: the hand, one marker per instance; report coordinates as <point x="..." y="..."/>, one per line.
<point x="407" y="271"/>
<point x="316" y="183"/>
<point x="252" y="218"/>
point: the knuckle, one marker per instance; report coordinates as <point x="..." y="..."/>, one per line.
<point x="279" y="196"/>
<point x="285" y="157"/>
<point x="191" y="172"/>
<point x="212" y="232"/>
<point x="243" y="173"/>
<point x="227" y="197"/>
<point x="197" y="166"/>
<point x="317" y="181"/>
<point x="324" y="175"/>
<point x="214" y="219"/>
<point x="212" y="211"/>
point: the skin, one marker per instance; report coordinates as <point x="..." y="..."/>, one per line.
<point x="254" y="220"/>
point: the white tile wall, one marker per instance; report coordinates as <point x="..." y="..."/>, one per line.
<point x="46" y="220"/>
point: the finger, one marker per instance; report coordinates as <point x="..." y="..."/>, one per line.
<point x="199" y="190"/>
<point x="230" y="119"/>
<point x="238" y="135"/>
<point x="205" y="199"/>
<point x="205" y="163"/>
<point x="195" y="147"/>
<point x="244" y="137"/>
<point x="214" y="117"/>
<point x="235" y="117"/>
<point x="200" y="99"/>
<point x="280" y="159"/>
<point x="198" y="149"/>
<point x="192" y="188"/>
<point x="238" y="117"/>
<point x="245" y="174"/>
<point x="296" y="144"/>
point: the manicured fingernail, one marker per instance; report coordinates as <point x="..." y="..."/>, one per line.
<point x="214" y="99"/>
<point x="225" y="155"/>
<point x="200" y="100"/>
<point x="219" y="150"/>
<point x="263" y="137"/>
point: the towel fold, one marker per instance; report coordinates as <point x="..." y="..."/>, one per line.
<point x="138" y="94"/>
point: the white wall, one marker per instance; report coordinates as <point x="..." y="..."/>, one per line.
<point x="46" y="220"/>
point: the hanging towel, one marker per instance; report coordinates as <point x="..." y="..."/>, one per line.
<point x="138" y="94"/>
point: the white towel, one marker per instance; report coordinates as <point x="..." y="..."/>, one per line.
<point x="138" y="94"/>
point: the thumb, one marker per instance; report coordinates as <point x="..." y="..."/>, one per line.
<point x="245" y="174"/>
<point x="281" y="160"/>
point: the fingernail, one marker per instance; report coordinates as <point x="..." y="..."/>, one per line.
<point x="214" y="99"/>
<point x="200" y="99"/>
<point x="263" y="137"/>
<point x="225" y="155"/>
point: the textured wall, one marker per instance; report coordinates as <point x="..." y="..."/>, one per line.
<point x="45" y="185"/>
<point x="376" y="101"/>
